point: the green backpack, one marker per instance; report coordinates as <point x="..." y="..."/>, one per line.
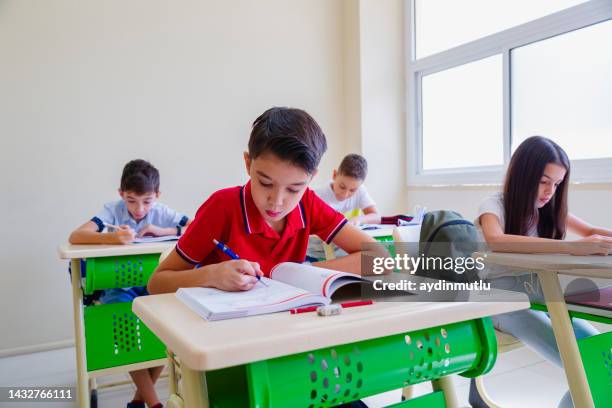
<point x="444" y="235"/>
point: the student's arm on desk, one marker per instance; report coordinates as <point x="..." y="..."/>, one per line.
<point x="174" y="272"/>
<point x="350" y="239"/>
<point x="501" y="242"/>
<point x="584" y="229"/>
<point x="88" y="234"/>
<point x="158" y="231"/>
<point x="370" y="216"/>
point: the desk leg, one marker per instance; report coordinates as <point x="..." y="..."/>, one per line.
<point x="79" y="335"/>
<point x="194" y="390"/>
<point x="445" y="384"/>
<point x="172" y="380"/>
<point x="566" y="340"/>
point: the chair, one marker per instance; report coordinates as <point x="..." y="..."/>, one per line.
<point x="505" y="342"/>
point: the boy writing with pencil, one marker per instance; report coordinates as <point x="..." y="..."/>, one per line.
<point x="346" y="194"/>
<point x="266" y="221"/>
<point x="137" y="214"/>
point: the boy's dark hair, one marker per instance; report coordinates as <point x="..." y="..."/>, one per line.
<point x="290" y="134"/>
<point x="355" y="166"/>
<point x="140" y="177"/>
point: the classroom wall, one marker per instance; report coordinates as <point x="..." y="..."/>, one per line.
<point x="375" y="105"/>
<point x="87" y="85"/>
<point x="382" y="101"/>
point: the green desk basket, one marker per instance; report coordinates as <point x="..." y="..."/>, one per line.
<point x="118" y="271"/>
<point x="344" y="373"/>
<point x="596" y="353"/>
<point x="115" y="336"/>
<point x="388" y="241"/>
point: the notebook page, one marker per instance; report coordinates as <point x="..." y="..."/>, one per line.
<point x="140" y="240"/>
<point x="213" y="303"/>
<point x="311" y="278"/>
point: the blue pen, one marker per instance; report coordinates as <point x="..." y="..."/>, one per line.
<point x="232" y="255"/>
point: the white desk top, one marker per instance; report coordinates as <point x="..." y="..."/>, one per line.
<point x="592" y="266"/>
<point x="382" y="230"/>
<point x="411" y="231"/>
<point x="68" y="251"/>
<point x="204" y="345"/>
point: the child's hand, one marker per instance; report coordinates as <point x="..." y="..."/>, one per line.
<point x="591" y="245"/>
<point x="153" y="230"/>
<point x="355" y="220"/>
<point x="236" y="275"/>
<point x="124" y="235"/>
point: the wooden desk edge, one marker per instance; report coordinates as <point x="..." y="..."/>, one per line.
<point x="534" y="265"/>
<point x="69" y="251"/>
<point x="203" y="360"/>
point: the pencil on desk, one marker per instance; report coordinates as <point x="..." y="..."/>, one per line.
<point x="345" y="305"/>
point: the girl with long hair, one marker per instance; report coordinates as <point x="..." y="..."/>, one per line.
<point x="531" y="216"/>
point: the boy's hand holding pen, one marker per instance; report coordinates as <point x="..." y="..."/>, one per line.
<point x="122" y="234"/>
<point x="236" y="274"/>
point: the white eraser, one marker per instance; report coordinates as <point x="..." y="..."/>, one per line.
<point x="329" y="310"/>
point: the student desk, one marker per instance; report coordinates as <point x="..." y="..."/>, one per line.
<point x="386" y="233"/>
<point x="389" y="232"/>
<point x="306" y="360"/>
<point x="548" y="268"/>
<point x="88" y="371"/>
<point x="382" y="232"/>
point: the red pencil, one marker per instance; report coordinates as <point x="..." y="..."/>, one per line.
<point x="304" y="309"/>
<point x="344" y="305"/>
<point x="357" y="303"/>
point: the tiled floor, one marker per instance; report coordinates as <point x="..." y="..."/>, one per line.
<point x="541" y="384"/>
<point x="520" y="379"/>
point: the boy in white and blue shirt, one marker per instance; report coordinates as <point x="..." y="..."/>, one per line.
<point x="137" y="214"/>
<point x="346" y="194"/>
<point x="160" y="220"/>
<point x="159" y="216"/>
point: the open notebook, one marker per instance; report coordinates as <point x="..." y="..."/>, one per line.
<point x="290" y="285"/>
<point x="141" y="240"/>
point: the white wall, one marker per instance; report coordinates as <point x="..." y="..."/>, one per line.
<point x="86" y="86"/>
<point x="375" y="98"/>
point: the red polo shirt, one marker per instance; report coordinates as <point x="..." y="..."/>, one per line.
<point x="230" y="216"/>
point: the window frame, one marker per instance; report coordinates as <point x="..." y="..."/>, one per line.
<point x="564" y="21"/>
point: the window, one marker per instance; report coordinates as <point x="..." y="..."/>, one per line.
<point x="565" y="74"/>
<point x="469" y="98"/>
<point x="482" y="78"/>
<point x="444" y="24"/>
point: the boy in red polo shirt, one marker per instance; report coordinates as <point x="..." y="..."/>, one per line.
<point x="266" y="221"/>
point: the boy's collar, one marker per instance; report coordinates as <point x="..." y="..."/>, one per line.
<point x="254" y="222"/>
